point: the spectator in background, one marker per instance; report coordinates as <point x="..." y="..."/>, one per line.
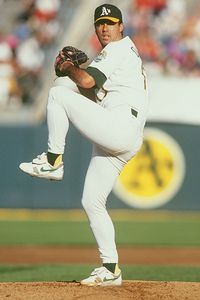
<point x="35" y="27"/>
<point x="183" y="48"/>
<point x="10" y="92"/>
<point x="45" y="17"/>
<point x="27" y="11"/>
<point x="191" y="65"/>
<point x="168" y="24"/>
<point x="156" y="6"/>
<point x="179" y="43"/>
<point x="30" y="58"/>
<point x="149" y="47"/>
<point x="46" y="10"/>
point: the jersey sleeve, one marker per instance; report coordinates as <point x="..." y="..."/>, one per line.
<point x="108" y="59"/>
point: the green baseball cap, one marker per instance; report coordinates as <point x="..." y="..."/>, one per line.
<point x="107" y="12"/>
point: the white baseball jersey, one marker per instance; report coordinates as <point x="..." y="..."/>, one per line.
<point x="120" y="62"/>
<point x="115" y="131"/>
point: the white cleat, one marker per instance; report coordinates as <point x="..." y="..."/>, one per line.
<point x="103" y="277"/>
<point x="39" y="167"/>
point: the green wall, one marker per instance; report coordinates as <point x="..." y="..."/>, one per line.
<point x="20" y="143"/>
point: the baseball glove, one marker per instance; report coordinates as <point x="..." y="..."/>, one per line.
<point x="72" y="55"/>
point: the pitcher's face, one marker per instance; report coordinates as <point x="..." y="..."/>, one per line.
<point x="108" y="31"/>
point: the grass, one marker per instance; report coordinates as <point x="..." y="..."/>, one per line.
<point x="71" y="228"/>
<point x="158" y="233"/>
<point x="27" y="273"/>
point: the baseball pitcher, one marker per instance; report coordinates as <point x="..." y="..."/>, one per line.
<point x="113" y="121"/>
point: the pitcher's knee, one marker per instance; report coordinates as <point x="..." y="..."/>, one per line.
<point x="92" y="205"/>
<point x="62" y="95"/>
<point x="87" y="204"/>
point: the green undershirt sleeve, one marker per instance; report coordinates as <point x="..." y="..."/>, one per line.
<point x="98" y="76"/>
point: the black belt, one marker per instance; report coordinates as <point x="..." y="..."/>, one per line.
<point x="134" y="112"/>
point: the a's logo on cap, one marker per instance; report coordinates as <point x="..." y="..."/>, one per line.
<point x="105" y="11"/>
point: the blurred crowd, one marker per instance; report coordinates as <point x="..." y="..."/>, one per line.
<point x="22" y="51"/>
<point x="167" y="35"/>
<point x="166" y="32"/>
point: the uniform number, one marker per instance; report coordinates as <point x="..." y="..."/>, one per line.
<point x="144" y="75"/>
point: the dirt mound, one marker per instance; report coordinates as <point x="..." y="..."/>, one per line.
<point x="138" y="290"/>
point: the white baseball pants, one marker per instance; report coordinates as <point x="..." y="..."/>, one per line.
<point x="116" y="135"/>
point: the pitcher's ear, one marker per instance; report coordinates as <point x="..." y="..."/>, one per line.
<point x="121" y="27"/>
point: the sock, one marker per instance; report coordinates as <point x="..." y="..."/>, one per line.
<point x="112" y="267"/>
<point x="54" y="159"/>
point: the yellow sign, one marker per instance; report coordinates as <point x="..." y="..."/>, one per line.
<point x="155" y="174"/>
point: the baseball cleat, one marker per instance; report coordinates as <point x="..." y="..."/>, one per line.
<point x="103" y="277"/>
<point x="39" y="167"/>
